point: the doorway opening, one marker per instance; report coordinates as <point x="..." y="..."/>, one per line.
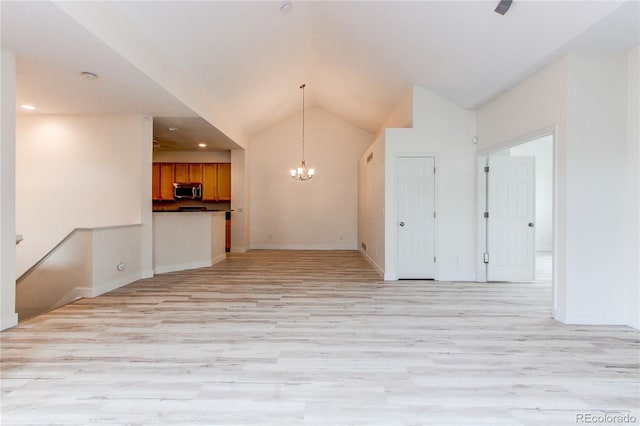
<point x="540" y="149"/>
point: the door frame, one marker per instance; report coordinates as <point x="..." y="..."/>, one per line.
<point x="395" y="213"/>
<point x="481" y="158"/>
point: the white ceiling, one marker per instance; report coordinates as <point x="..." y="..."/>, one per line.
<point x="248" y="58"/>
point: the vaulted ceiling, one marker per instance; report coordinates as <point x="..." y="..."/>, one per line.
<point x="238" y="64"/>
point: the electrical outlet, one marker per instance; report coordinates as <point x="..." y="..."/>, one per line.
<point x="120" y="266"/>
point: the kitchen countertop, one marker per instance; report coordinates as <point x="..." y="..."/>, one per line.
<point x="191" y="211"/>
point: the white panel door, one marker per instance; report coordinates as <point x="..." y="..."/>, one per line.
<point x="510" y="225"/>
<point x="416" y="211"/>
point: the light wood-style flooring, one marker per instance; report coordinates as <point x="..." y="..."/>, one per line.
<point x="314" y="338"/>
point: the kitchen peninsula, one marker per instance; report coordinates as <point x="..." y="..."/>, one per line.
<point x="188" y="240"/>
<point x="191" y="219"/>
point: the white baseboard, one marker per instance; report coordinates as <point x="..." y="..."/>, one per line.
<point x="9" y="321"/>
<point x="239" y="250"/>
<point x="372" y="263"/>
<point x="302" y="247"/>
<point x="147" y="274"/>
<point x="218" y="258"/>
<point x="560" y="315"/>
<point x="592" y="318"/>
<point x="182" y="267"/>
<point x="105" y="287"/>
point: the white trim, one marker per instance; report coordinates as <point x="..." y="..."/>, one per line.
<point x="349" y="247"/>
<point x="105" y="287"/>
<point x="9" y="321"/>
<point x="238" y="249"/>
<point x="372" y="262"/>
<point x="595" y="318"/>
<point x="389" y="276"/>
<point x="481" y="199"/>
<point x="218" y="258"/>
<point x="560" y="315"/>
<point x="519" y="140"/>
<point x="552" y="131"/>
<point x="182" y="266"/>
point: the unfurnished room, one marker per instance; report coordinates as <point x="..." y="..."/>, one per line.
<point x="320" y="212"/>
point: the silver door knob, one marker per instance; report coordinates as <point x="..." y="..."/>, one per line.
<point x="530" y="224"/>
<point x="401" y="223"/>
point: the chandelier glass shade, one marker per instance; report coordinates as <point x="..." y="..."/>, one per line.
<point x="302" y="172"/>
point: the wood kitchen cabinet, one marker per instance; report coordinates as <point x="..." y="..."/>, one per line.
<point x="224" y="182"/>
<point x="162" y="181"/>
<point x="181" y="172"/>
<point x="188" y="172"/>
<point x="209" y="182"/>
<point x="155" y="182"/>
<point x="216" y="182"/>
<point x="195" y="172"/>
<point x="215" y="179"/>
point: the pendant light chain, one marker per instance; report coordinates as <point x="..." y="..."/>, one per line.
<point x="302" y="173"/>
<point x="302" y="87"/>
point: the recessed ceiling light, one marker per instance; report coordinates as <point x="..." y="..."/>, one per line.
<point x="202" y="145"/>
<point x="29" y="107"/>
<point x="172" y="129"/>
<point x="285" y="6"/>
<point x="88" y="75"/>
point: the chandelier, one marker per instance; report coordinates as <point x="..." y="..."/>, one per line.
<point x="302" y="172"/>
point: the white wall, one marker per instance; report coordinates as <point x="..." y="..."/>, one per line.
<point x="542" y="150"/>
<point x="371" y="186"/>
<point x="8" y="316"/>
<point x="240" y="203"/>
<point x="402" y="114"/>
<point x="79" y="171"/>
<point x="371" y="198"/>
<point x="317" y="214"/>
<point x="445" y="131"/>
<point x="110" y="247"/>
<point x="595" y="173"/>
<point x="585" y="97"/>
<point x="633" y="188"/>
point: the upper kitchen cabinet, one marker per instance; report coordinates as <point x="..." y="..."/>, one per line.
<point x="162" y="181"/>
<point x="181" y="171"/>
<point x="224" y="182"/>
<point x="188" y="172"/>
<point x="215" y="179"/>
<point x="155" y="182"/>
<point x="209" y="182"/>
<point x="195" y="172"/>
<point x="216" y="182"/>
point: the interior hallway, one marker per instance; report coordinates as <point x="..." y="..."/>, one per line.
<point x="313" y="337"/>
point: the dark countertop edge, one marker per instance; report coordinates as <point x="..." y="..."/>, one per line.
<point x="192" y="211"/>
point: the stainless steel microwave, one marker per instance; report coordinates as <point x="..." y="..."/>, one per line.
<point x="187" y="191"/>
